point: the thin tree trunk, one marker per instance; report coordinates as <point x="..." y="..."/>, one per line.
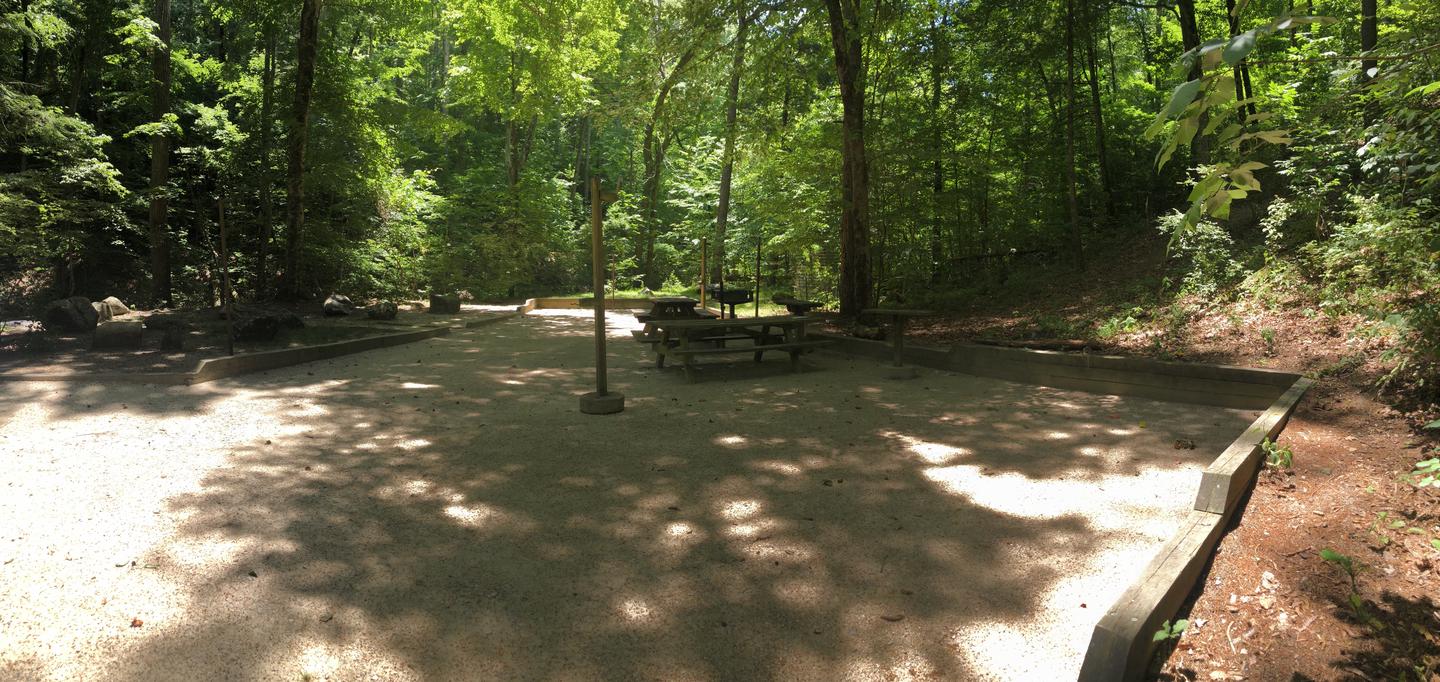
<point x="160" y="160"/>
<point x="1098" y="114"/>
<point x="727" y="167"/>
<point x="856" y="287"/>
<point x="653" y="156"/>
<point x="25" y="43"/>
<point x="1369" y="35"/>
<point x="937" y="166"/>
<point x="1241" y="70"/>
<point x="267" y="204"/>
<point x="306" y="48"/>
<point x="1072" y="202"/>
<point x="1190" y="39"/>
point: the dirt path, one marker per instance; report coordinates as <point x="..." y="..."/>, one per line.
<point x="441" y="510"/>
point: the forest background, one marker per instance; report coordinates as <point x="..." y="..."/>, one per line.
<point x="917" y="152"/>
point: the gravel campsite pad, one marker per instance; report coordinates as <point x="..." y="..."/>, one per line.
<point x="441" y="510"/>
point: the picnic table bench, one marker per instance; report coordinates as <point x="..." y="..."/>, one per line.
<point x="686" y="339"/>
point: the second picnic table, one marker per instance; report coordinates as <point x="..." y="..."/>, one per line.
<point x="898" y="317"/>
<point x="686" y="338"/>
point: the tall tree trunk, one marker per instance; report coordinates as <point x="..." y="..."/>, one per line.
<point x="1242" y="70"/>
<point x="1072" y="201"/>
<point x="25" y="43"/>
<point x="1098" y="116"/>
<point x="306" y="48"/>
<point x="160" y="160"/>
<point x="937" y="166"/>
<point x="582" y="153"/>
<point x="727" y="167"/>
<point x="653" y="156"/>
<point x="1190" y="39"/>
<point x="267" y="204"/>
<point x="1369" y="36"/>
<point x="856" y="286"/>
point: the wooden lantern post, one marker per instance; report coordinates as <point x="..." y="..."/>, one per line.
<point x="602" y="401"/>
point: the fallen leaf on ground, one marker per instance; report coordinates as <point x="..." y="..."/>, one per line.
<point x="136" y="622"/>
<point x="893" y="619"/>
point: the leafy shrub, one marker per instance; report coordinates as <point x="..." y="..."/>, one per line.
<point x="1208" y="254"/>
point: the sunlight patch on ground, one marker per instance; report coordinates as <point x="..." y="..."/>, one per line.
<point x="934" y="453"/>
<point x="636" y="610"/>
<point x="417" y="385"/>
<point x="474" y="516"/>
<point x="730" y="441"/>
<point x="740" y="509"/>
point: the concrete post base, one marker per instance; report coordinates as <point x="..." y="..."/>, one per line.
<point x="594" y="403"/>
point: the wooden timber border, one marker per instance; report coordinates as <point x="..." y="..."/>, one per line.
<point x="211" y="369"/>
<point x="1123" y="641"/>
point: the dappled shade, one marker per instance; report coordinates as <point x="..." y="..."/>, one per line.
<point x="442" y="510"/>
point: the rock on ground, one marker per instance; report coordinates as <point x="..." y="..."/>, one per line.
<point x="337" y="305"/>
<point x="74" y="314"/>
<point x="445" y="304"/>
<point x="118" y="336"/>
<point x="384" y="310"/>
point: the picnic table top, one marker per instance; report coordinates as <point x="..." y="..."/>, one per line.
<point x="673" y="299"/>
<point x="694" y="323"/>
<point x="897" y="312"/>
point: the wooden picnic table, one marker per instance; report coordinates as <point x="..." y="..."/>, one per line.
<point x="898" y="317"/>
<point x="668" y="308"/>
<point x="685" y="339"/>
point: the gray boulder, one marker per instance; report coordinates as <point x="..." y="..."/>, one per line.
<point x="384" y="310"/>
<point x="113" y="306"/>
<point x="74" y="314"/>
<point x="444" y="304"/>
<point x="118" y="336"/>
<point x="337" y="305"/>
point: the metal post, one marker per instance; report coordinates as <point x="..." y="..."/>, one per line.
<point x="704" y="274"/>
<point x="602" y="401"/>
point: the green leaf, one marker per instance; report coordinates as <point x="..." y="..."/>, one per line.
<point x="1244" y="181"/>
<point x="1433" y="425"/>
<point x="1424" y="89"/>
<point x="1206" y="187"/>
<point x="1239" y="47"/>
<point x="1292" y="22"/>
<point x="1435" y="542"/>
<point x="1183" y="95"/>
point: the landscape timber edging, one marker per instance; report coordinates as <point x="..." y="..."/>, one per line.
<point x="1201" y="384"/>
<point x="210" y="369"/>
<point x="1123" y="640"/>
<point x="566" y="303"/>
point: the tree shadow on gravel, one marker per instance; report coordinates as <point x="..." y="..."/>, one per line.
<point x="444" y="511"/>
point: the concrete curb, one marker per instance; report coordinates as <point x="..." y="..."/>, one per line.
<point x="211" y="369"/>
